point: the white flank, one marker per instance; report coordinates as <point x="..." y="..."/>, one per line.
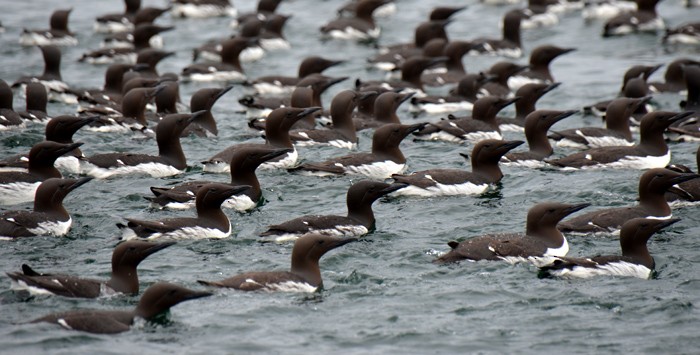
<point x="350" y="33"/>
<point x="339" y="231"/>
<point x="466" y="188"/>
<point x="289" y="286"/>
<point x="70" y="165"/>
<point x="273" y="89"/>
<point x="385" y="10"/>
<point x="377" y="170"/>
<point x="251" y="54"/>
<point x="681" y="38"/>
<point x="252" y="113"/>
<point x="385" y="66"/>
<point x="52" y="228"/>
<point x="509" y="127"/>
<point x="635" y="162"/>
<point x="129" y="58"/>
<point x="442" y="107"/>
<point x="500" y="2"/>
<point x="546" y="19"/>
<point x="532" y="164"/>
<point x="619" y="268"/>
<point x="180" y="234"/>
<point x="568" y="143"/>
<point x="152" y="169"/>
<point x="29" y="39"/>
<point x="275" y="44"/>
<point x="605" y="10"/>
<point x="202" y="11"/>
<point x="113" y="26"/>
<point x="606" y="141"/>
<point x="17" y="192"/>
<point x="289" y="161"/>
<point x="19" y="285"/>
<point x="516" y="82"/>
<point x="479" y="136"/>
<point x="232" y="76"/>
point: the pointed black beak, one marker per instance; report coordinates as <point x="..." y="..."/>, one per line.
<point x="222" y="92"/>
<point x="161" y="29"/>
<point x="156" y="248"/>
<point x="575" y="208"/>
<point x="334" y="81"/>
<point x="367" y="94"/>
<point x="510" y="145"/>
<point x="234" y="190"/>
<point x="679" y="117"/>
<point x="642" y="101"/>
<point x="564" y="114"/>
<point x="307" y="111"/>
<point x="393" y="187"/>
<point x="68" y="148"/>
<point x="665" y="223"/>
<point x="195" y="115"/>
<point x="341" y="241"/>
<point x="508" y="102"/>
<point x="551" y="87"/>
<point x="276" y="153"/>
<point x="415" y="127"/>
<point x="157" y="90"/>
<point x="684" y="178"/>
<point x="79" y="182"/>
<point x="407" y="96"/>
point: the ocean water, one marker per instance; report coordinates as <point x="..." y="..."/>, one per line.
<point x="382" y="294"/>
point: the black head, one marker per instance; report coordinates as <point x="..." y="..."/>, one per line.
<point x="311" y="247"/>
<point x="489" y="106"/>
<point x="232" y="48"/>
<point x="151" y="56"/>
<point x="204" y="99"/>
<point x="131" y="253"/>
<point x="52" y="62"/>
<point x="622" y="108"/>
<point x="132" y="6"/>
<point x="249" y="158"/>
<point x="45" y="153"/>
<point x="213" y="195"/>
<point x="639" y="71"/>
<point x="430" y="30"/>
<point x="319" y="83"/>
<point x="491" y="150"/>
<point x="534" y="91"/>
<point x="637" y="231"/>
<point x="548" y="214"/>
<point x="59" y="20"/>
<point x="316" y="65"/>
<point x="114" y="75"/>
<point x="172" y="125"/>
<point x="675" y="70"/>
<point x="365" y="8"/>
<point x="542" y="120"/>
<point x="543" y="55"/>
<point x="391" y="100"/>
<point x="504" y="70"/>
<point x="284" y="118"/>
<point x="275" y="23"/>
<point x="444" y="12"/>
<point x="414" y="66"/>
<point x="389" y="136"/>
<point x="365" y="192"/>
<point x="61" y="128"/>
<point x="657" y="181"/>
<point x="149" y="14"/>
<point x="161" y="296"/>
<point x="51" y="192"/>
<point x="654" y="123"/>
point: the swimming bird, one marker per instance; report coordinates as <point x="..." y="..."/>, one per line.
<point x="36" y="100"/>
<point x="384" y="160"/>
<point x="635" y="260"/>
<point x="156" y="300"/>
<point x="303" y="276"/>
<point x="19" y="186"/>
<point x="687" y="190"/>
<point x="385" y="106"/>
<point x="688" y="33"/>
<point x="529" y="94"/>
<point x="460" y="98"/>
<point x="51" y="78"/>
<point x="481" y="125"/>
<point x="48" y="218"/>
<point x="392" y="57"/>
<point x="58" y="34"/>
<point x="169" y="161"/>
<point x="540" y="242"/>
<point x="9" y="118"/>
<point x="204" y="124"/>
<point x="616" y="132"/>
<point x="651" y="152"/>
<point x="454" y="182"/>
<point x="359" y="27"/>
<point x="644" y="19"/>
<point x="202" y="8"/>
<point x="674" y="78"/>
<point x="125" y="48"/>
<point x="229" y="69"/>
<point x="278" y="84"/>
<point x="244" y="162"/>
<point x="652" y="204"/>
<point x="538" y="70"/>
<point x="210" y="223"/>
<point x="118" y="22"/>
<point x="59" y="129"/>
<point x="359" y="220"/>
<point x="126" y="257"/>
<point x="130" y="117"/>
<point x="509" y="45"/>
<point x="277" y="128"/>
<point x="537" y="124"/>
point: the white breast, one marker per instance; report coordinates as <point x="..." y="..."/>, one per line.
<point x="251" y="54"/>
<point x="17" y="192"/>
<point x="620" y="268"/>
<point x="214" y="75"/>
<point x="546" y="19"/>
<point x="532" y="164"/>
<point x="681" y="38"/>
<point x="289" y="161"/>
<point x="113" y="26"/>
<point x="377" y="170"/>
<point x="152" y="169"/>
<point x="351" y="33"/>
<point x="606" y="10"/>
<point x="52" y="228"/>
<point x="70" y="165"/>
<point x="272" y="89"/>
<point x="441" y="136"/>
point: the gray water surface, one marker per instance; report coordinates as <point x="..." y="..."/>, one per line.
<point x="382" y="295"/>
